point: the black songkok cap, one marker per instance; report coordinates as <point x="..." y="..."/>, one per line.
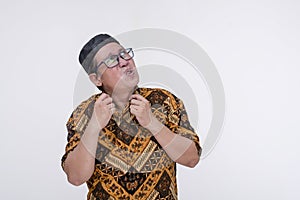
<point x="90" y="49"/>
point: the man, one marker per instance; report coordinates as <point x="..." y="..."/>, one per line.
<point x="125" y="142"/>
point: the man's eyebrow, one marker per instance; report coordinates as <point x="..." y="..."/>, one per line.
<point x="110" y="54"/>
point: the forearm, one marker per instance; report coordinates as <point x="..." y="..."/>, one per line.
<point x="180" y="149"/>
<point x="79" y="164"/>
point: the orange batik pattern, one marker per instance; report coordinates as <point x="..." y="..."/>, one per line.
<point x="129" y="162"/>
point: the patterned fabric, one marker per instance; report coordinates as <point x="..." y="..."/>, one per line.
<point x="130" y="163"/>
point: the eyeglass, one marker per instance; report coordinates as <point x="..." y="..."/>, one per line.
<point x="113" y="60"/>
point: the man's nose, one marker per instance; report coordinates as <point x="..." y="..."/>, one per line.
<point x="123" y="62"/>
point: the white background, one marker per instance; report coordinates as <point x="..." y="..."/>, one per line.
<point x="254" y="45"/>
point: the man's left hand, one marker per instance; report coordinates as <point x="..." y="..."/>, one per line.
<point x="141" y="108"/>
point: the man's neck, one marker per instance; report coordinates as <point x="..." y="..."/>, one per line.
<point x="121" y="97"/>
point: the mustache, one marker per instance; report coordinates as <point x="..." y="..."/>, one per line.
<point x="129" y="70"/>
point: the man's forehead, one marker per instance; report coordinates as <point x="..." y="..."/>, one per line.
<point x="108" y="49"/>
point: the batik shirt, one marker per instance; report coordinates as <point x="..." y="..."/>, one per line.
<point x="129" y="162"/>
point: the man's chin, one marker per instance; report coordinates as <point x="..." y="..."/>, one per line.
<point x="127" y="84"/>
<point x="131" y="79"/>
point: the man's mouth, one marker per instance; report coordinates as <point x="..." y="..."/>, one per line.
<point x="129" y="72"/>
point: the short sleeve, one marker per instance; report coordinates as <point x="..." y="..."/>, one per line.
<point x="76" y="125"/>
<point x="178" y="121"/>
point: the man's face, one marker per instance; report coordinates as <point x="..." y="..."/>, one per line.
<point x="122" y="76"/>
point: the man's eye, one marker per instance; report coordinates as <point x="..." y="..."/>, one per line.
<point x="110" y="60"/>
<point x="123" y="52"/>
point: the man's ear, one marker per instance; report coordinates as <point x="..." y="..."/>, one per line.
<point x="95" y="79"/>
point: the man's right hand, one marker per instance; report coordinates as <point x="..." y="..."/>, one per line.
<point x="103" y="110"/>
<point x="80" y="163"/>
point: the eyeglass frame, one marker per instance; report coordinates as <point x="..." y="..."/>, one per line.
<point x="121" y="54"/>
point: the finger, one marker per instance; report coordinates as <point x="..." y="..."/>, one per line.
<point x="135" y="110"/>
<point x="112" y="110"/>
<point x="102" y="97"/>
<point x="107" y="101"/>
<point x="111" y="105"/>
<point x="138" y="97"/>
<point x="133" y="107"/>
<point x="136" y="102"/>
